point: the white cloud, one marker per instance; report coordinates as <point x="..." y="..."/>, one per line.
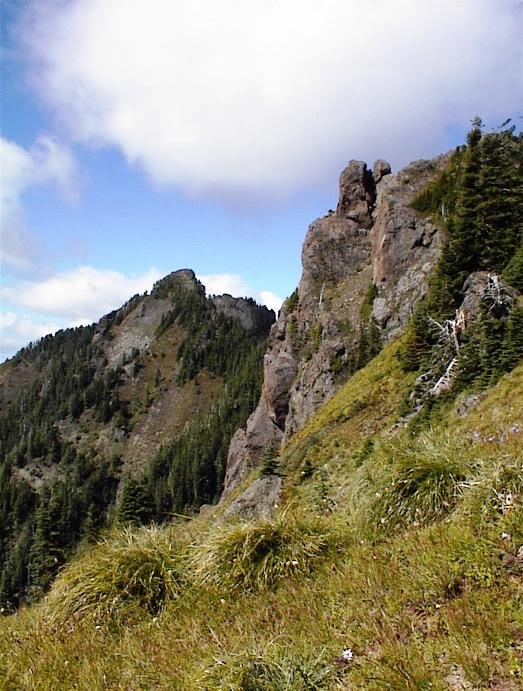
<point x="271" y="300"/>
<point x="81" y="295"/>
<point x="235" y="285"/>
<point x="46" y="162"/>
<point x="268" y="96"/>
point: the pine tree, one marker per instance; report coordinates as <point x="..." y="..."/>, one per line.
<point x="136" y="505"/>
<point x="513" y="272"/>
<point x="500" y="209"/>
<point x="512" y="346"/>
<point x="46" y="553"/>
<point x="460" y="254"/>
<point x="269" y="460"/>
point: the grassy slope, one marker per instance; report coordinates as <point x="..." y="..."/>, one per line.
<point x="419" y="585"/>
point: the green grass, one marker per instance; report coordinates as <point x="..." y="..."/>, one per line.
<point x="411" y="482"/>
<point x="258" y="672"/>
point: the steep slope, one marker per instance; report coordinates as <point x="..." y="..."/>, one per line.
<point x="86" y="412"/>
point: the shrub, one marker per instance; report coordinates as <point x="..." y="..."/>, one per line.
<point x="131" y="571"/>
<point x="258" y="555"/>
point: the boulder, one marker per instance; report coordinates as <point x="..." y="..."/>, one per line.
<point x="380" y="169"/>
<point x="260" y="500"/>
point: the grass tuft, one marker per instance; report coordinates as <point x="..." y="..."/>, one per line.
<point x="496" y="490"/>
<point x="255" y="672"/>
<point x="258" y="555"/>
<point x="131" y="571"/>
<point x="412" y="483"/>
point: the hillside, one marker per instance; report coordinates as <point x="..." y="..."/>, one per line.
<point x="370" y="533"/>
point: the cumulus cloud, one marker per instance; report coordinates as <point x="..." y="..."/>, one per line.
<point x="81" y="295"/>
<point x="217" y="284"/>
<point x="271" y="300"/>
<point x="235" y="285"/>
<point x="46" y="162"/>
<point x="265" y="97"/>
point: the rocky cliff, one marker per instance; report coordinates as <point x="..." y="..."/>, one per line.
<point x="365" y="267"/>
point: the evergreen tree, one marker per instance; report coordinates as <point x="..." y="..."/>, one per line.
<point x="269" y="460"/>
<point x="136" y="505"/>
<point x="46" y="554"/>
<point x="512" y="346"/>
<point x="513" y="272"/>
<point x="499" y="214"/>
<point x="479" y="199"/>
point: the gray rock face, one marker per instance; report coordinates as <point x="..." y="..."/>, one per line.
<point x="252" y="317"/>
<point x="267" y="424"/>
<point x="138" y="331"/>
<point x="279" y="372"/>
<point x="406" y="246"/>
<point x="260" y="500"/>
<point x="381" y="311"/>
<point x="247" y="445"/>
<point x="373" y="238"/>
<point x="357" y="194"/>
<point x="380" y="169"/>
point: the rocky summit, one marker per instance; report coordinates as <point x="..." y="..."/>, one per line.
<point x="365" y="268"/>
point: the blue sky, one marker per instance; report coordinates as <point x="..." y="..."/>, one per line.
<point x="142" y="137"/>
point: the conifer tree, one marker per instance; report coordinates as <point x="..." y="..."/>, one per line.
<point x="513" y="273"/>
<point x="136" y="506"/>
<point x="512" y="347"/>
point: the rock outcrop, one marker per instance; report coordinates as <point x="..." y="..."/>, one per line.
<point x="365" y="267"/>
<point x="251" y="316"/>
<point x="406" y="245"/>
<point x="259" y="500"/>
